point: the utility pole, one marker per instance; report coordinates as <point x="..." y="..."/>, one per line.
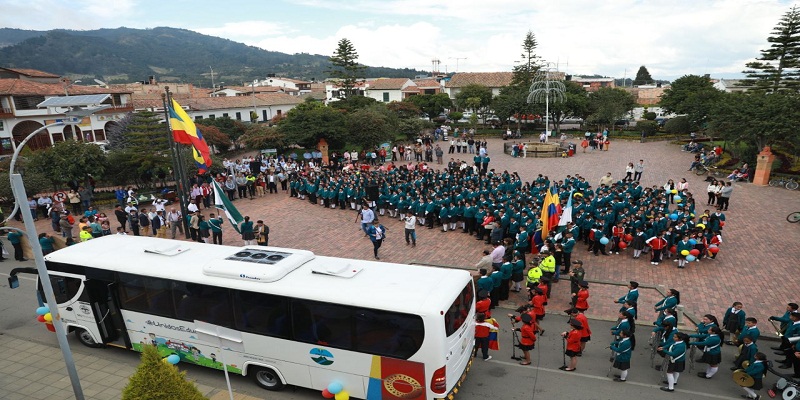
<point x="212" y="78"/>
<point x="457" y="59"/>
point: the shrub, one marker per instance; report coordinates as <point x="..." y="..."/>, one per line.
<point x="678" y="125"/>
<point x="648" y="127"/>
<point x="650" y="116"/>
<point x="158" y="380"/>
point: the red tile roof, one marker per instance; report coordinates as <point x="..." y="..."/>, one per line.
<point x="387" y="83"/>
<point x="20" y="87"/>
<point x="428" y="84"/>
<point x="33" y="73"/>
<point x="488" y="79"/>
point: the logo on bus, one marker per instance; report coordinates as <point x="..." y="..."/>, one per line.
<point x="249" y="277"/>
<point x="85" y="309"/>
<point x="321" y="356"/>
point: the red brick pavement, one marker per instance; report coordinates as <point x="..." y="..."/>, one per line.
<point x="757" y="264"/>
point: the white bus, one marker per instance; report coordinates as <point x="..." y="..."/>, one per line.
<point x="383" y="330"/>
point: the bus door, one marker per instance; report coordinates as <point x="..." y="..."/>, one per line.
<point x="107" y="317"/>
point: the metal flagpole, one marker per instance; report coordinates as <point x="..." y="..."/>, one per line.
<point x="177" y="164"/>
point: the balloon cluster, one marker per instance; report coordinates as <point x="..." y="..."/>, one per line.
<point x="335" y="390"/>
<point x="43" y="315"/>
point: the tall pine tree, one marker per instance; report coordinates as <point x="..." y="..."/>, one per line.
<point x="642" y="77"/>
<point x="529" y="64"/>
<point x="346" y="67"/>
<point x="778" y="68"/>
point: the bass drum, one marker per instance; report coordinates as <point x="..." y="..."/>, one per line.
<point x="781" y="383"/>
<point x="790" y="393"/>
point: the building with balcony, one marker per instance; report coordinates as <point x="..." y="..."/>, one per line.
<point x="21" y="90"/>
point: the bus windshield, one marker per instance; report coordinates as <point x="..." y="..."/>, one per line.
<point x="458" y="312"/>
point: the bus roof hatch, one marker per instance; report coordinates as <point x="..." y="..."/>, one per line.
<point x="258" y="264"/>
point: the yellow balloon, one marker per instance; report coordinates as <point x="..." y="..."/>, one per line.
<point x="684" y="252"/>
<point x="678" y="200"/>
<point x="674" y="191"/>
<point x="48" y="317"/>
<point x="343" y="395"/>
<point x="701" y="226"/>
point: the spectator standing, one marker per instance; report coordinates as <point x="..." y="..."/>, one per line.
<point x="637" y="170"/>
<point x="724" y="197"/>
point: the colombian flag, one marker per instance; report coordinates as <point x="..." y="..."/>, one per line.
<point x="551" y="209"/>
<point x="494" y="343"/>
<point x="184" y="131"/>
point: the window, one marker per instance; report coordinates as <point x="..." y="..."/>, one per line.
<point x="238" y="116"/>
<point x="263" y="314"/>
<point x="198" y="118"/>
<point x="387" y="333"/>
<point x="145" y="294"/>
<point x="224" y="115"/>
<point x="64" y="288"/>
<point x="27" y="102"/>
<point x="322" y="323"/>
<point x="212" y="116"/>
<point x="203" y="303"/>
<point x="2" y="126"/>
<point x="459" y="310"/>
<point x="385" y="97"/>
<point x="279" y="112"/>
<point x="264" y="115"/>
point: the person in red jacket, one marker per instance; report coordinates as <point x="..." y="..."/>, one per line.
<point x="573" y="338"/>
<point x="483" y="328"/>
<point x="586" y="332"/>
<point x="581" y="298"/>
<point x="527" y="338"/>
<point x="483" y="304"/>
<point x="544" y="284"/>
<point x="657" y="243"/>
<point x="538" y="301"/>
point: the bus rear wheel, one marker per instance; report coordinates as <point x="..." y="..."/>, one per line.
<point x="267" y="378"/>
<point x="85" y="338"/>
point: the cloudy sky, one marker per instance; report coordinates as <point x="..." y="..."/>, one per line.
<point x="611" y="37"/>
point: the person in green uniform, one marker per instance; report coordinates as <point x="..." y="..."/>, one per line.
<point x="215" y="225"/>
<point x="246" y="228"/>
<point x="15" y="238"/>
<point x="46" y="242"/>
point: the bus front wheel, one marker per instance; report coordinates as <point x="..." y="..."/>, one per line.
<point x="267" y="378"/>
<point x="85" y="338"/>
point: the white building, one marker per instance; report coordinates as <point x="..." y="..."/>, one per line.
<point x="301" y="87"/>
<point x="388" y="89"/>
<point x="21" y="90"/>
<point x="493" y="80"/>
<point x="266" y="106"/>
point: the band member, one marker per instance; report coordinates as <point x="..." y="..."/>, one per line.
<point x="527" y="338"/>
<point x="631" y="296"/>
<point x="676" y="353"/>
<point x="712" y="351"/>
<point x="626" y="323"/>
<point x="784" y="319"/>
<point x="629" y="306"/>
<point x="792" y="331"/>
<point x="750" y="329"/>
<point x="581" y="298"/>
<point x="586" y="332"/>
<point x="733" y="321"/>
<point x="544" y="284"/>
<point x="483" y="330"/>
<point x="670" y="319"/>
<point x="706" y="323"/>
<point x="622" y="349"/>
<point x="757" y="369"/>
<point x="669" y="302"/>
<point x="538" y="300"/>
<point x="747" y="353"/>
<point x="573" y="338"/>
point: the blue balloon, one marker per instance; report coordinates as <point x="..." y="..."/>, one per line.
<point x="335" y="387"/>
<point x="673" y="217"/>
<point x="173" y="359"/>
<point x="604" y="240"/>
<point x="690" y="258"/>
<point x="692" y="242"/>
<point x="676" y="197"/>
<point x="42" y="310"/>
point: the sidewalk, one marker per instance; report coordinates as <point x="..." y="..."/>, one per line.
<point x="30" y="370"/>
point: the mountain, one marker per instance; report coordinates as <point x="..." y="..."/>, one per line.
<point x="128" y="55"/>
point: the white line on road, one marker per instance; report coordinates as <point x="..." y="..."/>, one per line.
<point x="603" y="378"/>
<point x="20" y="277"/>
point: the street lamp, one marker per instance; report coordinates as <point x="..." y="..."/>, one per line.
<point x="545" y="85"/>
<point x="74" y="115"/>
<point x="69" y="86"/>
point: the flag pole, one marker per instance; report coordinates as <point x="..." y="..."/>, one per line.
<point x="177" y="164"/>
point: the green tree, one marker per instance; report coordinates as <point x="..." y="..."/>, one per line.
<point x="404" y="109"/>
<point x="678" y="125"/>
<point x="431" y="104"/>
<point x="68" y="162"/>
<point x="778" y="68"/>
<point x="147" y="153"/>
<point x="575" y="104"/>
<point x="692" y="95"/>
<point x="482" y="93"/>
<point x="369" y="127"/>
<point x="642" y="77"/>
<point x="352" y="103"/>
<point x="214" y="137"/>
<point x="259" y="137"/>
<point x="512" y="100"/>
<point x="760" y="119"/>
<point x="230" y="127"/>
<point x="157" y="380"/>
<point x="525" y="71"/>
<point x="648" y="128"/>
<point x="608" y="105"/>
<point x="308" y="122"/>
<point x="346" y="67"/>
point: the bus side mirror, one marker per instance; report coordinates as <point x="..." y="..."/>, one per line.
<point x="13" y="282"/>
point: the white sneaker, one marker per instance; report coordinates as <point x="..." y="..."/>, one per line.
<point x="487" y="358"/>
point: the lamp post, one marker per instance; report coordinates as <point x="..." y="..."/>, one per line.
<point x="544" y="85"/>
<point x="72" y="117"/>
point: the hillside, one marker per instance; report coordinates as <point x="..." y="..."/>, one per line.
<point x="126" y="55"/>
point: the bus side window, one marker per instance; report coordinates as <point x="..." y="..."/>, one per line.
<point x="328" y="324"/>
<point x="388" y="333"/>
<point x="203" y="303"/>
<point x="145" y="294"/>
<point x="263" y="314"/>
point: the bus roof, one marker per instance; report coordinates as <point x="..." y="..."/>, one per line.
<point x="301" y="274"/>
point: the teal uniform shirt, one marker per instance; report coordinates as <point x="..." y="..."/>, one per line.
<point x="622" y="350"/>
<point x="710" y="345"/>
<point x="485" y="283"/>
<point x="506" y="270"/>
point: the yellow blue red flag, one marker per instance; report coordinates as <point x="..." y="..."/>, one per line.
<point x="551" y="209"/>
<point x="184" y="131"/>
